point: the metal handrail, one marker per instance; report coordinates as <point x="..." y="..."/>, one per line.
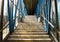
<point x="53" y="37"/>
<point x="4" y="27"/>
<point x="8" y="22"/>
<point x="49" y="22"/>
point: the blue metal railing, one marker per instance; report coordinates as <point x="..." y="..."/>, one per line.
<point x="45" y="7"/>
<point x="14" y="12"/>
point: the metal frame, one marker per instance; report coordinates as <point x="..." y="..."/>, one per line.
<point x="41" y="4"/>
<point x="9" y="15"/>
<point x="47" y="12"/>
<point x="11" y="20"/>
<point x="46" y="15"/>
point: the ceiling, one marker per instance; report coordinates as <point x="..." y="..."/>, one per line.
<point x="31" y="6"/>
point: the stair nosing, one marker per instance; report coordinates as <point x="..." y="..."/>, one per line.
<point x="29" y="32"/>
<point x="29" y="36"/>
<point x="28" y="39"/>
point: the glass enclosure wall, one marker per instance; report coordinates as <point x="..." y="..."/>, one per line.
<point x="58" y="4"/>
<point x="5" y="20"/>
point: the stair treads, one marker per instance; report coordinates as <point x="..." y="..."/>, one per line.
<point x="30" y="33"/>
<point x="28" y="39"/>
<point x="29" y="36"/>
<point x="30" y="26"/>
<point x="28" y="30"/>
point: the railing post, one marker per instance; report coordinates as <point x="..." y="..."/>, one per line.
<point x="49" y="13"/>
<point x="12" y="25"/>
<point x="22" y="4"/>
<point x="9" y="17"/>
<point x="46" y="15"/>
<point x="15" y="13"/>
<point x="38" y="8"/>
<point x="19" y="12"/>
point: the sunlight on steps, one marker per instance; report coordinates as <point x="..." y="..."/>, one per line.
<point x="29" y="31"/>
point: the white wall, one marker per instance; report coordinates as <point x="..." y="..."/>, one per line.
<point x="5" y="8"/>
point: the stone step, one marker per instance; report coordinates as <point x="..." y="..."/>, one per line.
<point x="29" y="40"/>
<point x="29" y="30"/>
<point x="30" y="33"/>
<point x="32" y="29"/>
<point x="29" y="36"/>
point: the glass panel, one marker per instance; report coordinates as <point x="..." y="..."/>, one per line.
<point x="5" y="20"/>
<point x="58" y="4"/>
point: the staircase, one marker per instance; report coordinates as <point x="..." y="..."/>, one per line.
<point x="29" y="31"/>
